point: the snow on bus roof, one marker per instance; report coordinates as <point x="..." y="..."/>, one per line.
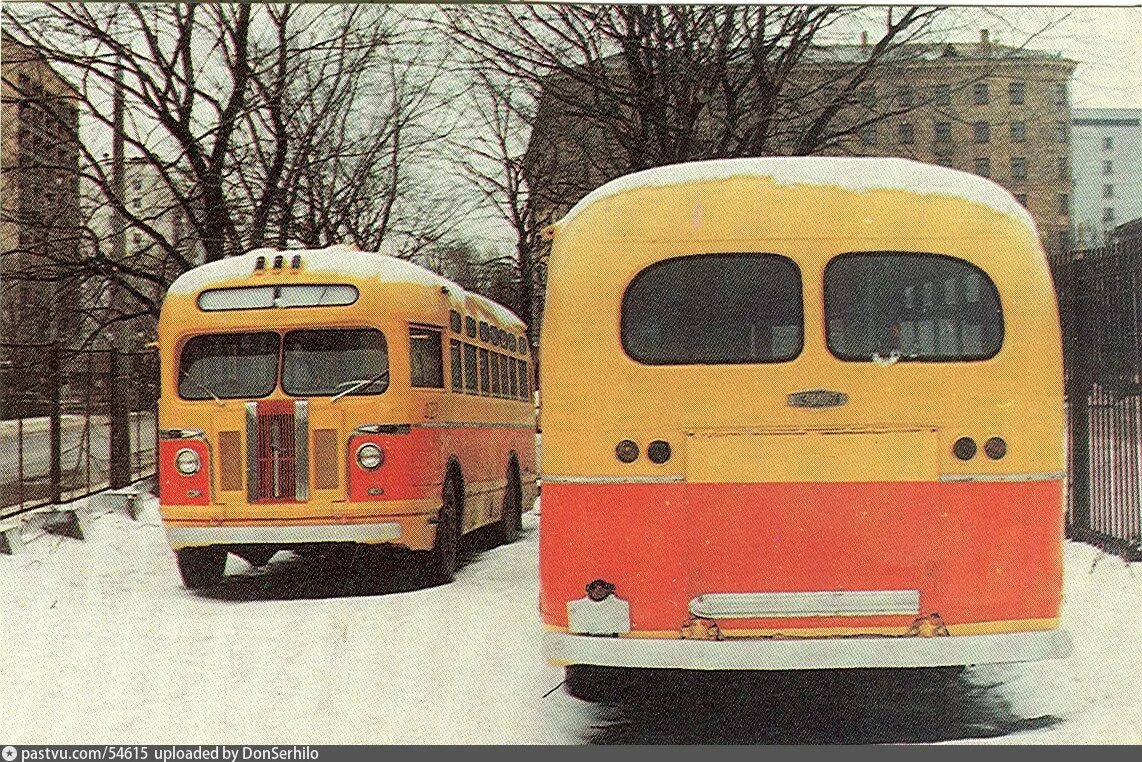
<point x="860" y="175"/>
<point x="340" y="260"/>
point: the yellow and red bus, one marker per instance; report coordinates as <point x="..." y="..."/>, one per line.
<point x="338" y="396"/>
<point x="825" y="427"/>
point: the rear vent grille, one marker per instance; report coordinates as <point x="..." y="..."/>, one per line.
<point x="326" y="460"/>
<point x="229" y="461"/>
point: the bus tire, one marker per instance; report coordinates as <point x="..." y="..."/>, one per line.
<point x="444" y="558"/>
<point x="201" y="568"/>
<point x="511" y="518"/>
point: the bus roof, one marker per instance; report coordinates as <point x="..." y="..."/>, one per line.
<point x="859" y="175"/>
<point x="342" y="260"/>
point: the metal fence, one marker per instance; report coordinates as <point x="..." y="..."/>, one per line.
<point x="73" y="422"/>
<point x="1100" y="298"/>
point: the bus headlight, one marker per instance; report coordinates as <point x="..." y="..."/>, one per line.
<point x="370" y="457"/>
<point x="187" y="462"/>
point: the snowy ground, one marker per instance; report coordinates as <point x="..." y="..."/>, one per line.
<point x="102" y="644"/>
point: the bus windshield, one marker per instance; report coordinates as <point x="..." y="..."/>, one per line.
<point x="331" y="362"/>
<point x="228" y="366"/>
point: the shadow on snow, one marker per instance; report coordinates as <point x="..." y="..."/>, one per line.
<point x="816" y="707"/>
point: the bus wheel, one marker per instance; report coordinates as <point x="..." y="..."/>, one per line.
<point x="444" y="557"/>
<point x="201" y="568"/>
<point x="511" y="519"/>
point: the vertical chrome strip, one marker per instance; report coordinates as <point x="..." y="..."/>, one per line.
<point x="252" y="451"/>
<point x="301" y="451"/>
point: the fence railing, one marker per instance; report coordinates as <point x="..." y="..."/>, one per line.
<point x="1100" y="300"/>
<point x="73" y="422"/>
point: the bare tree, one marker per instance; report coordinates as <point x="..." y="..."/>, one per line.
<point x="244" y="125"/>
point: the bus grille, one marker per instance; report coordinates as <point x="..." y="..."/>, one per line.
<point x="277" y="437"/>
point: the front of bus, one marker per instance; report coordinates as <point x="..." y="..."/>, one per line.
<point x="285" y="415"/>
<point x="825" y="422"/>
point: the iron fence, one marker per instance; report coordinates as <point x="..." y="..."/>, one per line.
<point x="1099" y="299"/>
<point x="73" y="422"/>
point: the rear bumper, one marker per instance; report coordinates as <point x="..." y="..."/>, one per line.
<point x="807" y="653"/>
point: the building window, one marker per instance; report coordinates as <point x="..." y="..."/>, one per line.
<point x="1060" y="132"/>
<point x="983" y="167"/>
<point x="1108" y="144"/>
<point x="1062" y="167"/>
<point x="906" y="96"/>
<point x="1019" y="132"/>
<point x="942" y="95"/>
<point x="1108" y="215"/>
<point x="982" y="132"/>
<point x="1061" y="94"/>
<point x="979" y="93"/>
<point x="1018" y="168"/>
<point x="1015" y="93"/>
<point x="907" y="134"/>
<point x="1108" y="167"/>
<point x="868" y="135"/>
<point x="1022" y="199"/>
<point x="1108" y="191"/>
<point x="1064" y="204"/>
<point x="943" y="132"/>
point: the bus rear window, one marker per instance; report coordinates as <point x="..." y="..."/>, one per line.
<point x="337" y="361"/>
<point x="911" y="306"/>
<point x="228" y="366"/>
<point x="266" y="297"/>
<point x="714" y="309"/>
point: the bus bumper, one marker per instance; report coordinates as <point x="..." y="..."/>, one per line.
<point x="806" y="653"/>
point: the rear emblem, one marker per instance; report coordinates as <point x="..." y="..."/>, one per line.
<point x="817" y="398"/>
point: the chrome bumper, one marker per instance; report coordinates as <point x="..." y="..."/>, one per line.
<point x="807" y="653"/>
<point x="191" y="536"/>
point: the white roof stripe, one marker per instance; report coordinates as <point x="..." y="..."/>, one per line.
<point x="859" y="175"/>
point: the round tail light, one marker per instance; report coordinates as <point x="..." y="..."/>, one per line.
<point x="995" y="448"/>
<point x="626" y="451"/>
<point x="965" y="448"/>
<point x="658" y="451"/>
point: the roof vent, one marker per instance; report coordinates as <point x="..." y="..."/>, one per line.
<point x="278" y="262"/>
<point x="259" y="264"/>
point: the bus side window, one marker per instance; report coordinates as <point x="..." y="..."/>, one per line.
<point x="485" y="381"/>
<point x="495" y="374"/>
<point x="425" y="357"/>
<point x="457" y="361"/>
<point x="470" y="368"/>
<point x="524" y="381"/>
<point x="513" y="377"/>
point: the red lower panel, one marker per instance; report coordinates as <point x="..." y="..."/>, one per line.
<point x="977" y="552"/>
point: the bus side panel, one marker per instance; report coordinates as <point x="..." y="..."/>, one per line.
<point x="977" y="552"/>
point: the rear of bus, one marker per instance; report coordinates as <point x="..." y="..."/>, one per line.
<point x="305" y="403"/>
<point x="800" y="414"/>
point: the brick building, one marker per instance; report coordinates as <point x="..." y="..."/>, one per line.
<point x="985" y="108"/>
<point x="39" y="188"/>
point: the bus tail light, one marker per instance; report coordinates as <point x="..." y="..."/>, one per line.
<point x="658" y="451"/>
<point x="995" y="448"/>
<point x="626" y="451"/>
<point x="965" y="448"/>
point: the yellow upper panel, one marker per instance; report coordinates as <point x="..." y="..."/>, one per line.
<point x="617" y="233"/>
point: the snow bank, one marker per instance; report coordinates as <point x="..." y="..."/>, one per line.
<point x="859" y="175"/>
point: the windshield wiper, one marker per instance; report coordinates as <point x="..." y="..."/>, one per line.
<point x="202" y="386"/>
<point x="355" y="385"/>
